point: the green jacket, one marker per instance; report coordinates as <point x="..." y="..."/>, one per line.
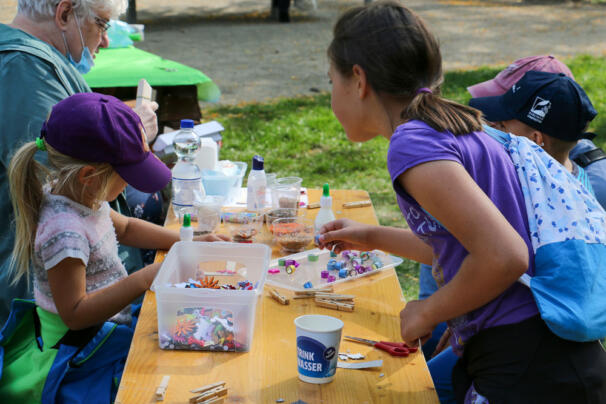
<point x="34" y="76"/>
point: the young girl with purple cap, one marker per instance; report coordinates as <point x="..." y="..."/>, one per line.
<point x="459" y="192"/>
<point x="66" y="235"/>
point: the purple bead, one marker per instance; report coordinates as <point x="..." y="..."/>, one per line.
<point x="324" y="274"/>
<point x="289" y="262"/>
<point x="331" y="278"/>
<point x="296" y="264"/>
<point x="360" y="269"/>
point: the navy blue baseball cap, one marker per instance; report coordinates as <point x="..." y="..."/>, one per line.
<point x="549" y="102"/>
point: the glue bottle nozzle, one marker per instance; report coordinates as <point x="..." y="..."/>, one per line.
<point x="187" y="220"/>
<point x="325" y="190"/>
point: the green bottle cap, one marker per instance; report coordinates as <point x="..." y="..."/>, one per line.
<point x="325" y="190"/>
<point x="186" y="220"/>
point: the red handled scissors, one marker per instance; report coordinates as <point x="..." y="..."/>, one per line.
<point x="392" y="348"/>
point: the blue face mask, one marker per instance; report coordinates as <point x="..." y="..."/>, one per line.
<point x="86" y="59"/>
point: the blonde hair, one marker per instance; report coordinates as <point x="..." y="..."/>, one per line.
<point x="26" y="180"/>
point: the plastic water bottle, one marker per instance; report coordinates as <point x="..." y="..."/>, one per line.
<point x="325" y="213"/>
<point x="187" y="178"/>
<point x="256" y="185"/>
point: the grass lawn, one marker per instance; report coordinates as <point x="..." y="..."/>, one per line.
<point x="301" y="136"/>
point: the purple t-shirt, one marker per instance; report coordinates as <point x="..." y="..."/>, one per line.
<point x="491" y="168"/>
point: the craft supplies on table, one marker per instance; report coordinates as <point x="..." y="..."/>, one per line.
<point x="205" y="318"/>
<point x="354" y="264"/>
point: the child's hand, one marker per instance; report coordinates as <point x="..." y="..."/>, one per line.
<point x="212" y="237"/>
<point x="413" y="324"/>
<point x="150" y="272"/>
<point x="344" y="234"/>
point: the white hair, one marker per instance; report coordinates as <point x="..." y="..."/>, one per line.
<point x="40" y="10"/>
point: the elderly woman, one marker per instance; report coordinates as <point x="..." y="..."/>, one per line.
<point x="43" y="54"/>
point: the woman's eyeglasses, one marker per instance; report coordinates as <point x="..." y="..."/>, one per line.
<point x="102" y="23"/>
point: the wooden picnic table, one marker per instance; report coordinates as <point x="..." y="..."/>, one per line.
<point x="268" y="372"/>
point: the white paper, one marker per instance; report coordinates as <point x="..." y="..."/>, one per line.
<point x="202" y="130"/>
<point x="360" y="365"/>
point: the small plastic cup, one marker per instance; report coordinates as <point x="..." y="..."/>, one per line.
<point x="293" y="234"/>
<point x="285" y="193"/>
<point x="318" y="339"/>
<point x="208" y="213"/>
<point x="244" y="227"/>
<point x="275" y="214"/>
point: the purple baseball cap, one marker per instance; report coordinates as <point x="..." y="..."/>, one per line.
<point x="99" y="128"/>
<point x="514" y="72"/>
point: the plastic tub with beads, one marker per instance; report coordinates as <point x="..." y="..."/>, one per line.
<point x="206" y="318"/>
<point x="312" y="263"/>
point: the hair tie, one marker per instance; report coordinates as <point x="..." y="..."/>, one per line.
<point x="40" y="144"/>
<point x="424" y="90"/>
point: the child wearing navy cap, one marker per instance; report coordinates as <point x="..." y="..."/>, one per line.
<point x="66" y="234"/>
<point x="550" y="109"/>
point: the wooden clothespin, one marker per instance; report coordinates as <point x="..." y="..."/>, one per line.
<point x="212" y="393"/>
<point x="315" y="205"/>
<point x="161" y="389"/>
<point x="278" y="297"/>
<point x="331" y="304"/>
<point x="357" y="204"/>
<point x="334" y="296"/>
<point x="307" y="293"/>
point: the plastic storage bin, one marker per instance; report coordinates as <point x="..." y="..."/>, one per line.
<point x="216" y="183"/>
<point x="209" y="319"/>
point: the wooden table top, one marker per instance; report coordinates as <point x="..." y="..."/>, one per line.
<point x="268" y="371"/>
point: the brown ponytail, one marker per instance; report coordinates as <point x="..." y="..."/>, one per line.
<point x="399" y="56"/>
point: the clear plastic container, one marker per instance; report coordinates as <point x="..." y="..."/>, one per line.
<point x="311" y="271"/>
<point x="209" y="319"/>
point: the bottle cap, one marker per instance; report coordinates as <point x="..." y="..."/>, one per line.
<point x="257" y="162"/>
<point x="187" y="220"/>
<point x="325" y="190"/>
<point x="187" y="124"/>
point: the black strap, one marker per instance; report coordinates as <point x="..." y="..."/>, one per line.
<point x="37" y="330"/>
<point x="78" y="338"/>
<point x="589" y="157"/>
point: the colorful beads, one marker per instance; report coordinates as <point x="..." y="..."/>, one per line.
<point x="324" y="274"/>
<point x="274" y="271"/>
<point x="331" y="278"/>
<point x="313" y="257"/>
<point x="308" y="285"/>
<point x="282" y="262"/>
<point x="343" y="273"/>
<point x="290" y="269"/>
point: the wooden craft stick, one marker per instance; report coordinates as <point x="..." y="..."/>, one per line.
<point x="161" y="389"/>
<point x="357" y="204"/>
<point x="334" y="305"/>
<point x="278" y="297"/>
<point x="315" y="205"/>
<point x="207" y="387"/>
<point x="144" y="92"/>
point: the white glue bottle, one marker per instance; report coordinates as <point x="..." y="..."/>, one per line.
<point x="256" y="185"/>
<point x="186" y="232"/>
<point x="325" y="214"/>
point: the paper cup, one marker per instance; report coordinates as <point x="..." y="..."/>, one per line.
<point x="318" y="339"/>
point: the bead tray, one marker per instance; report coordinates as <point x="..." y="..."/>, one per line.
<point x="309" y="271"/>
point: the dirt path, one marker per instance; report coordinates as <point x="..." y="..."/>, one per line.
<point x="253" y="59"/>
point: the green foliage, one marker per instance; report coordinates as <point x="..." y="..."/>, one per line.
<point x="301" y="137"/>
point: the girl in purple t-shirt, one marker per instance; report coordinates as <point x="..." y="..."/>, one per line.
<point x="459" y="192"/>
